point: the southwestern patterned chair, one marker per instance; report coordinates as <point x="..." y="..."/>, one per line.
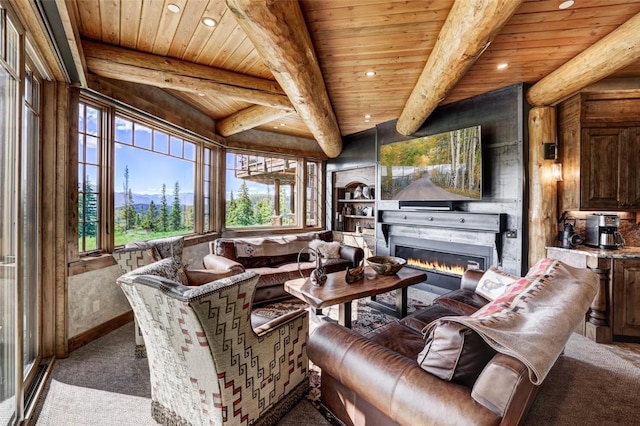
<point x="208" y="365"/>
<point x="139" y="254"/>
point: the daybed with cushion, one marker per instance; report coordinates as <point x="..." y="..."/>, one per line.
<point x="463" y="360"/>
<point x="275" y="259"/>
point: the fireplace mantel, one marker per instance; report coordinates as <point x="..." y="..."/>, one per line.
<point x="462" y="225"/>
<point x="483" y="222"/>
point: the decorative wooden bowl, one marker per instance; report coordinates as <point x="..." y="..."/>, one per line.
<point x="386" y="265"/>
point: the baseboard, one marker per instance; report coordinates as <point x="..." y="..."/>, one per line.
<point x="103" y="329"/>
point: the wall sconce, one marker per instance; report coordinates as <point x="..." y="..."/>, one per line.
<point x="550" y="151"/>
<point x="556" y="171"/>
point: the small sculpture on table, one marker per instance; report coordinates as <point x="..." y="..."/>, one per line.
<point x="354" y="274"/>
<point x="318" y="276"/>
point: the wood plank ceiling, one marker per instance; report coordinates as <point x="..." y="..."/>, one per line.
<point x="393" y="38"/>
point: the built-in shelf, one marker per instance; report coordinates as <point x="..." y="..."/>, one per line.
<point x="346" y="208"/>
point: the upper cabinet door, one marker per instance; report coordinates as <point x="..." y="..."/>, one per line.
<point x="601" y="168"/>
<point x="630" y="183"/>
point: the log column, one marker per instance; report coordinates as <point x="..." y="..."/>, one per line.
<point x="543" y="199"/>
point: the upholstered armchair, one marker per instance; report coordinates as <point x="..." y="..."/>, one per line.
<point x="208" y="365"/>
<point x="138" y="254"/>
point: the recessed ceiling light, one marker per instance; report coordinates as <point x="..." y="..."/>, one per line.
<point x="366" y="121"/>
<point x="173" y="8"/>
<point x="282" y="124"/>
<point x="370" y="73"/>
<point x="209" y="22"/>
<point x="200" y="94"/>
<point x="275" y="127"/>
<point x="502" y="66"/>
<point x="566" y="4"/>
<point x="367" y="116"/>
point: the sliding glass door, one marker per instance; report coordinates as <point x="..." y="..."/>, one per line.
<point x="20" y="100"/>
<point x="9" y="204"/>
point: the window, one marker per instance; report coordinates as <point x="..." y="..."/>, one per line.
<point x="313" y="194"/>
<point x="20" y="248"/>
<point x="206" y="199"/>
<point x="262" y="191"/>
<point x="90" y="134"/>
<point x="137" y="178"/>
<point x="154" y="188"/>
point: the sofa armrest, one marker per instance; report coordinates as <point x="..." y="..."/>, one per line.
<point x="352" y="254"/>
<point x="221" y="264"/>
<point x="392" y="383"/>
<point x="470" y="279"/>
<point x="197" y="277"/>
<point x="504" y="388"/>
<point x="280" y="321"/>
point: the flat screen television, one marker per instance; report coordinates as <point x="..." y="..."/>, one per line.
<point x="442" y="167"/>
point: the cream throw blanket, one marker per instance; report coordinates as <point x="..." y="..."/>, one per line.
<point x="533" y="321"/>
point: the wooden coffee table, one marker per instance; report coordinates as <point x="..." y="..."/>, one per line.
<point x="336" y="291"/>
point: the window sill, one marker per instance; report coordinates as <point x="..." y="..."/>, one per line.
<point x="91" y="263"/>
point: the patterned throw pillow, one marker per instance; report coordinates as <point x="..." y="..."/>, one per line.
<point x="494" y="283"/>
<point x="328" y="250"/>
<point x="165" y="268"/>
<point x="130" y="259"/>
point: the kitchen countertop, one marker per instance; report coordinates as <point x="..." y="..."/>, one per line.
<point x="621" y="253"/>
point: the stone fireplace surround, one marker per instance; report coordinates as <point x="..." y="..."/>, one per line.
<point x="473" y="239"/>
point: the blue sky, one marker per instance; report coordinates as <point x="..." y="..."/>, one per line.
<point x="148" y="170"/>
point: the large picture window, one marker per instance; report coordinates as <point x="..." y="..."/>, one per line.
<point x="140" y="178"/>
<point x="154" y="188"/>
<point x="141" y="174"/>
<point x="263" y="191"/>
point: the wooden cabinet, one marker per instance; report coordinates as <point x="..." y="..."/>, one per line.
<point x="626" y="297"/>
<point x="609" y="168"/>
<point x="615" y="311"/>
<point x="599" y="147"/>
<point x="354" y="200"/>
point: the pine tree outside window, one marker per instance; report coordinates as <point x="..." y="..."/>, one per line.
<point x="265" y="191"/>
<point x="137" y="179"/>
<point x="148" y="161"/>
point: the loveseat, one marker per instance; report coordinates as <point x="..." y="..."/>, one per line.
<point x="450" y="363"/>
<point x="275" y="259"/>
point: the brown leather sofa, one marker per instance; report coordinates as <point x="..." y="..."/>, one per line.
<point x="275" y="259"/>
<point x="377" y="380"/>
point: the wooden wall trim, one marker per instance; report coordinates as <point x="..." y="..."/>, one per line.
<point x="103" y="329"/>
<point x="48" y="219"/>
<point x="63" y="239"/>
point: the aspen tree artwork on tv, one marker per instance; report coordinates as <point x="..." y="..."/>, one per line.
<point x="442" y="167"/>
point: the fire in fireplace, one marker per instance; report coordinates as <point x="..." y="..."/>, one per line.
<point x="444" y="262"/>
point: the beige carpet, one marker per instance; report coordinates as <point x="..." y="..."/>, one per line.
<point x="590" y="384"/>
<point x="103" y="384"/>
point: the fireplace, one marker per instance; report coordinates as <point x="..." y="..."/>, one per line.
<point x="443" y="261"/>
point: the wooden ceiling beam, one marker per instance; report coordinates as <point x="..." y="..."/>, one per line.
<point x="617" y="50"/>
<point x="248" y="118"/>
<point x="467" y="32"/>
<point x="122" y="64"/>
<point x="279" y="34"/>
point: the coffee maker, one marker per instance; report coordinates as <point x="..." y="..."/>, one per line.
<point x="602" y="231"/>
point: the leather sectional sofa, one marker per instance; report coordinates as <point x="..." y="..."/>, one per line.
<point x="380" y="379"/>
<point x="275" y="259"/>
